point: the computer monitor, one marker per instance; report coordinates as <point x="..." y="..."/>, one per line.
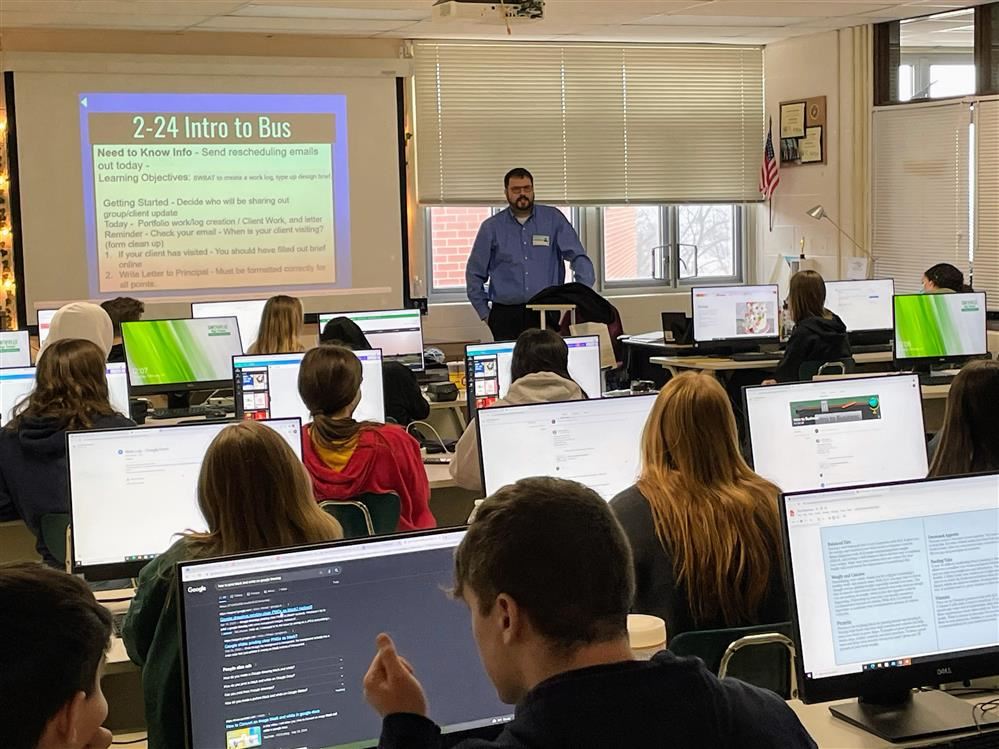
<point x="864" y="306"/>
<point x="247" y="311"/>
<point x="278" y="642"/>
<point x="813" y="435"/>
<point x="397" y="332"/>
<point x="937" y="328"/>
<point x="487" y="369"/>
<point x="44" y="323"/>
<point x="893" y="587"/>
<point x="594" y="442"/>
<point x="15" y="349"/>
<point x="15" y="385"/>
<point x="735" y="314"/>
<point x="265" y="386"/>
<point x="133" y="490"/>
<point x="166" y="356"/>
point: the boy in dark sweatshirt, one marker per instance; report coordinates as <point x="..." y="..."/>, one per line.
<point x="545" y="570"/>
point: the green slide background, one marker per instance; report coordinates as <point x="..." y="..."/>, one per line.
<point x="930" y="325"/>
<point x="173" y="351"/>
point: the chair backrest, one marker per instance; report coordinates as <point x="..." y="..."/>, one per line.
<point x="809" y="369"/>
<point x="352" y="516"/>
<point x="383" y="511"/>
<point x="54" y="528"/>
<point x="767" y="665"/>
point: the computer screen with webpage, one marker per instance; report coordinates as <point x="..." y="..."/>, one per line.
<point x="488" y="366"/>
<point x="279" y="643"/>
<point x="397" y="332"/>
<point x="265" y="386"/>
<point x="15" y="349"/>
<point x="15" y="385"/>
<point x="811" y="435"/>
<point x="132" y="491"/>
<point x="44" y="323"/>
<point x="247" y="311"/>
<point x="726" y="313"/>
<point x="940" y="326"/>
<point x="594" y="442"/>
<point x="862" y="305"/>
<point x="894" y="576"/>
<point x="165" y="355"/>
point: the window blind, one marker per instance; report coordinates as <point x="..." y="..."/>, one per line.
<point x="921" y="213"/>
<point x="595" y="124"/>
<point x="986" y="257"/>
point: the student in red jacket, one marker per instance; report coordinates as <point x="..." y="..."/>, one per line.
<point x="346" y="458"/>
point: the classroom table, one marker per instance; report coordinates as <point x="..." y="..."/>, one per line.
<point x="457" y="410"/>
<point x="715" y="364"/>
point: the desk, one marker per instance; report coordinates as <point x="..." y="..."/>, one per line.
<point x="439" y="475"/>
<point x="456" y="409"/>
<point x="675" y="364"/>
<point x="832" y="733"/>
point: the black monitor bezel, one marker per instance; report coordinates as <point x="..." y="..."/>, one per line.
<point x="880" y="681"/>
<point x="493" y="408"/>
<point x="448" y="739"/>
<point x="419" y="368"/>
<point x="120" y="570"/>
<point x="739" y="340"/>
<point x="869" y="331"/>
<point x="166" y="388"/>
<point x="27" y="335"/>
<point x="915" y="361"/>
<point x="872" y="378"/>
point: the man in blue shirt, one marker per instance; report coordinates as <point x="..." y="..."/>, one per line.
<point x="520" y="252"/>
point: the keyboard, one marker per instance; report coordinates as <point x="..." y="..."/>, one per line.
<point x="928" y="379"/>
<point x="117" y="621"/>
<point x="984" y="740"/>
<point x="872" y="348"/>
<point x="186" y="413"/>
<point x="757" y="356"/>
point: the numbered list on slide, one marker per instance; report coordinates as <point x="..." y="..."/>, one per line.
<point x="195" y="202"/>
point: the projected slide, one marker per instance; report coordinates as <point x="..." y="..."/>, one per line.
<point x="204" y="192"/>
<point x="835" y="410"/>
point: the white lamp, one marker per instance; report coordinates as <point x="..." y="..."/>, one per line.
<point x="819" y="213"/>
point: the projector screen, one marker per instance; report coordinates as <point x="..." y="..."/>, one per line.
<point x="176" y="187"/>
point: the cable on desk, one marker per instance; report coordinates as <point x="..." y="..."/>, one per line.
<point x="431" y="428"/>
<point x="984" y="708"/>
<point x="130" y="741"/>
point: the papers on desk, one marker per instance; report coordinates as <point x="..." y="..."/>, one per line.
<point x="653" y="337"/>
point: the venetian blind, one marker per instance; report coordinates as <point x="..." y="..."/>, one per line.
<point x="986" y="258"/>
<point x="595" y="124"/>
<point x="921" y="214"/>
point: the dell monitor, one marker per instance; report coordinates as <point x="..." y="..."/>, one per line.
<point x="133" y="491"/>
<point x="15" y="349"/>
<point x="864" y="306"/>
<point x="247" y="311"/>
<point x="167" y="356"/>
<point x="939" y="328"/>
<point x="16" y="384"/>
<point x="278" y="642"/>
<point x="488" y="378"/>
<point x="892" y="588"/>
<point x="813" y="435"/>
<point x="44" y="324"/>
<point x="265" y="386"/>
<point x="397" y="332"/>
<point x="734" y="315"/>
<point x="594" y="442"/>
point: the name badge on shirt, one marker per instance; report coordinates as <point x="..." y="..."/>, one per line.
<point x="541" y="240"/>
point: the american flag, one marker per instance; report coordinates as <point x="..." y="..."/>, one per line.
<point x="769" y="173"/>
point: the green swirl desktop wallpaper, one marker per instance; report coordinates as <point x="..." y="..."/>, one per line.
<point x="162" y="352"/>
<point x="939" y="325"/>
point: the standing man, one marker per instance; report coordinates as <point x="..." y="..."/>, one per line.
<point x="520" y="252"/>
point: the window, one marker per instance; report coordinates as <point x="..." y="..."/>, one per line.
<point x="951" y="80"/>
<point x="707" y="241"/>
<point x="632" y="243"/>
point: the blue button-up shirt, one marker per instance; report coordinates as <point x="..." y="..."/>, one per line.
<point x="521" y="260"/>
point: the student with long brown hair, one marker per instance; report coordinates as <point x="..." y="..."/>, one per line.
<point x="347" y="458"/>
<point x="280" y="327"/>
<point x="255" y="495"/>
<point x="704" y="528"/>
<point x="71" y="393"/>
<point x="969" y="440"/>
<point x="818" y="335"/>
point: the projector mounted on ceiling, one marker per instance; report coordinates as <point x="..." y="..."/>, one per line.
<point x="489" y="11"/>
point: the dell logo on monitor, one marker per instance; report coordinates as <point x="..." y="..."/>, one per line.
<point x="944" y="671"/>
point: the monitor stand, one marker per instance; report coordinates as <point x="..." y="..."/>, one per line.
<point x="179" y="399"/>
<point x="903" y="716"/>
